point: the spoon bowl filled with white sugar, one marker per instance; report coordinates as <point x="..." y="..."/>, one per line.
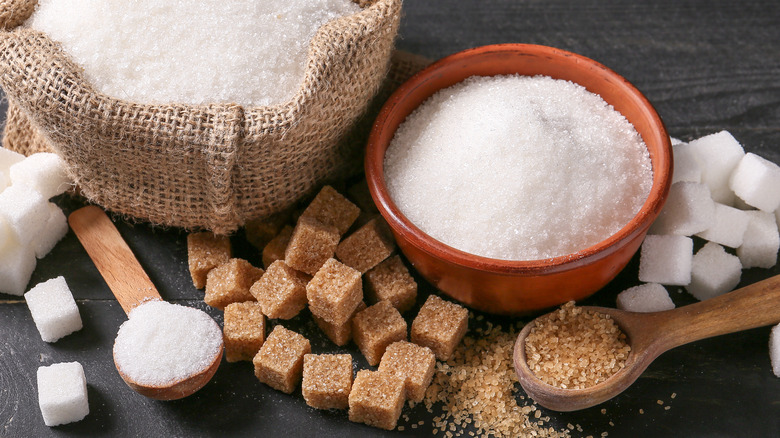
<point x="518" y="177"/>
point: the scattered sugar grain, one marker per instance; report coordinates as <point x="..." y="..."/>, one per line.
<point x="674" y="395"/>
<point x="163" y="342"/>
<point x="210" y="51"/>
<point x="518" y="168"/>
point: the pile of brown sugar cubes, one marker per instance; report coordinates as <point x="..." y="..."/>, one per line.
<point x="309" y="264"/>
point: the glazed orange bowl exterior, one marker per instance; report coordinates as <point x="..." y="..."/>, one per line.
<point x="519" y="287"/>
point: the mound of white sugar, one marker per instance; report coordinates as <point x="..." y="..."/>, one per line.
<point x="208" y="51"/>
<point x="518" y="168"/>
<point x="161" y="343"/>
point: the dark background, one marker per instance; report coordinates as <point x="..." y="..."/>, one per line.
<point x="705" y="65"/>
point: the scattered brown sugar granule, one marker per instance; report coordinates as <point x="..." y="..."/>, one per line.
<point x="476" y="389"/>
<point x="281" y="291"/>
<point x="312" y="243"/>
<point x="206" y="251"/>
<point x="279" y="362"/>
<point x="230" y="283"/>
<point x="391" y="281"/>
<point x="411" y="362"/>
<point x="334" y="292"/>
<point x="329" y="207"/>
<point x="244" y="331"/>
<point x="276" y="247"/>
<point x="327" y="380"/>
<point x="368" y="246"/>
<point x="376" y="327"/>
<point x="573" y="349"/>
<point x="376" y="399"/>
<point x="440" y="325"/>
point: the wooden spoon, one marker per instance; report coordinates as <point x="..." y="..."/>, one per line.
<point x="650" y="334"/>
<point x="131" y="287"/>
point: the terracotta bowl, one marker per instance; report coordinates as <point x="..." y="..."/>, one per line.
<point x="517" y="287"/>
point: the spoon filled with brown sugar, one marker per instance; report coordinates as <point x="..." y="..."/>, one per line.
<point x="602" y="374"/>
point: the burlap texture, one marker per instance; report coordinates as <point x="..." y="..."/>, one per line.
<point x="199" y="166"/>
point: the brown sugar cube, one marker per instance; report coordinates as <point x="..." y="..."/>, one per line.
<point x="329" y="207"/>
<point x="311" y="244"/>
<point x="361" y="196"/>
<point x="376" y="399"/>
<point x="327" y="380"/>
<point x="281" y="291"/>
<point x="338" y="334"/>
<point x="440" y="326"/>
<point x="279" y="362"/>
<point x="412" y="363"/>
<point x="259" y="232"/>
<point x="244" y="330"/>
<point x="377" y="327"/>
<point x="368" y="246"/>
<point x="206" y="251"/>
<point x="230" y="283"/>
<point x="275" y="249"/>
<point x="391" y="281"/>
<point x="334" y="292"/>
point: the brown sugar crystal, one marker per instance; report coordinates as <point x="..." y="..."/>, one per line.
<point x="276" y="247"/>
<point x="334" y="292"/>
<point x="440" y="325"/>
<point x="230" y="283"/>
<point x="279" y="363"/>
<point x="260" y="231"/>
<point x="339" y="334"/>
<point x="327" y="380"/>
<point x="329" y="207"/>
<point x="376" y="327"/>
<point x="411" y="362"/>
<point x="376" y="399"/>
<point x="368" y="246"/>
<point x="589" y="347"/>
<point x="281" y="291"/>
<point x="244" y="330"/>
<point x="206" y="251"/>
<point x="311" y="244"/>
<point x="391" y="281"/>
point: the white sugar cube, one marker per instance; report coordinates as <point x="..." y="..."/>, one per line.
<point x="25" y="210"/>
<point x="729" y="227"/>
<point x="62" y="393"/>
<point x="675" y="141"/>
<point x="687" y="166"/>
<point x="761" y="241"/>
<point x="4" y="181"/>
<point x="7" y="159"/>
<point x="714" y="272"/>
<point x="666" y="260"/>
<point x="757" y="182"/>
<point x="718" y="154"/>
<point x="774" y="349"/>
<point x="44" y="171"/>
<point x="689" y="209"/>
<point x="648" y="297"/>
<point x="17" y="263"/>
<point x="56" y="228"/>
<point x="777" y="218"/>
<point x="53" y="309"/>
<point x="6" y="236"/>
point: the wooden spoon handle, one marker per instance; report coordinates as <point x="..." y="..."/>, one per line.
<point x="113" y="258"/>
<point x="752" y="306"/>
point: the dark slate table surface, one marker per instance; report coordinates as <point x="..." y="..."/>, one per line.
<point x="705" y="65"/>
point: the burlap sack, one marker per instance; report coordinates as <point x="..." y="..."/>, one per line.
<point x="197" y="166"/>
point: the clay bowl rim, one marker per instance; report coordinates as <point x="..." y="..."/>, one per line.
<point x="640" y="223"/>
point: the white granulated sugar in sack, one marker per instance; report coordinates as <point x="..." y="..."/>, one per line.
<point x="44" y="172"/>
<point x="756" y="181"/>
<point x="729" y="226"/>
<point x="774" y="349"/>
<point x="7" y="159"/>
<point x="760" y="242"/>
<point x="209" y="51"/>
<point x="25" y="210"/>
<point x="518" y="168"/>
<point x="686" y="164"/>
<point x="718" y="154"/>
<point x="666" y="260"/>
<point x="62" y="393"/>
<point x="689" y="209"/>
<point x="648" y="297"/>
<point x="17" y="263"/>
<point x="56" y="228"/>
<point x="161" y="343"/>
<point x="714" y="272"/>
<point x="53" y="309"/>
